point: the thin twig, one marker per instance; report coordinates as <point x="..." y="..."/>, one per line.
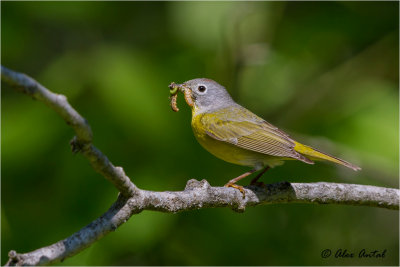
<point x="197" y="194"/>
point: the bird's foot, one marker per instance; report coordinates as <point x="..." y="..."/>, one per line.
<point x="259" y="184"/>
<point x="255" y="182"/>
<point x="239" y="187"/>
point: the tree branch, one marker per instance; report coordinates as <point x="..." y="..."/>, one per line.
<point x="83" y="140"/>
<point x="197" y="194"/>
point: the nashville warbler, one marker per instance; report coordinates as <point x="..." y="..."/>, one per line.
<point x="236" y="135"/>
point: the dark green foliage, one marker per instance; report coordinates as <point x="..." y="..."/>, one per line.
<point x="325" y="72"/>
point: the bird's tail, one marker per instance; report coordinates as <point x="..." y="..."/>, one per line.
<point x="317" y="155"/>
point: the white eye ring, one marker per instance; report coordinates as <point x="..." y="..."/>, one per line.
<point x="202" y="89"/>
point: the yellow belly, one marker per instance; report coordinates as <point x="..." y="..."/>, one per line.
<point x="229" y="152"/>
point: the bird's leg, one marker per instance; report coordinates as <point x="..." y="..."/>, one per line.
<point x="255" y="180"/>
<point x="232" y="183"/>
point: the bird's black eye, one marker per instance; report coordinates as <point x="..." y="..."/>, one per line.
<point x="202" y="88"/>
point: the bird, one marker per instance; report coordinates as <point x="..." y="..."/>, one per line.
<point x="236" y="135"/>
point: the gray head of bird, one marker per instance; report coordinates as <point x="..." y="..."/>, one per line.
<point x="207" y="95"/>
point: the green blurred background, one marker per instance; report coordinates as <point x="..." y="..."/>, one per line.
<point x="326" y="72"/>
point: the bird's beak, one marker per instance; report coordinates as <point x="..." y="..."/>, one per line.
<point x="188" y="94"/>
<point x="175" y="88"/>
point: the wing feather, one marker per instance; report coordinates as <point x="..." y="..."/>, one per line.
<point x="246" y="130"/>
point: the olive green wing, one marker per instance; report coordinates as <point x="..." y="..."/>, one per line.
<point x="248" y="131"/>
